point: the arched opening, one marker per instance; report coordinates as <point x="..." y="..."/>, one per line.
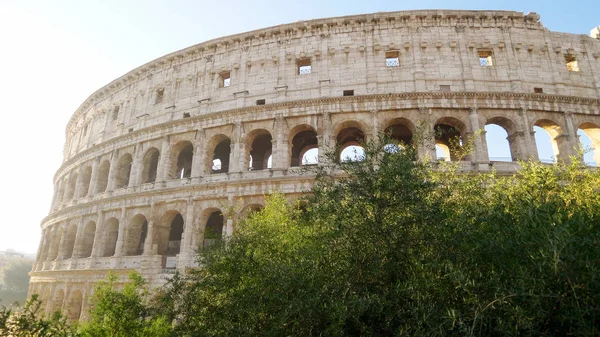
<point x="111" y="234"/>
<point x="219" y="157"/>
<point x="55" y="243"/>
<point x="169" y="234"/>
<point x="70" y="191"/>
<point x="74" y="306"/>
<point x="399" y="130"/>
<point x="213" y="231"/>
<point x="68" y="242"/>
<point x="260" y="150"/>
<point x="589" y="138"/>
<point x="102" y="178"/>
<point x="500" y="133"/>
<point x="545" y="133"/>
<point x="45" y="301"/>
<point x="136" y="236"/>
<point x="57" y="304"/>
<point x="349" y="141"/>
<point x="60" y="192"/>
<point x="305" y="141"/>
<point x="87" y="240"/>
<point x="84" y="182"/>
<point x="123" y="173"/>
<point x="498" y="146"/>
<point x="150" y="165"/>
<point x="183" y="154"/>
<point x="448" y="133"/>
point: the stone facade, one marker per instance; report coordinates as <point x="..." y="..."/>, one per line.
<point x="153" y="158"/>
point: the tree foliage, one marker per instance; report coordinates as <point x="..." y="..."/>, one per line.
<point x="390" y="246"/>
<point x="16" y="275"/>
<point x="28" y="321"/>
<point x="123" y="312"/>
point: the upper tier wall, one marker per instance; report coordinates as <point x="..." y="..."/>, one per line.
<point x="437" y="50"/>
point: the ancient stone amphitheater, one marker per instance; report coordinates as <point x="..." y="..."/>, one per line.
<point x="164" y="159"/>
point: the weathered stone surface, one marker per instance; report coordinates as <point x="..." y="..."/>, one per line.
<point x="278" y="92"/>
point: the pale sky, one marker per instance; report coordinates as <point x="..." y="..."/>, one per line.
<point x="54" y="54"/>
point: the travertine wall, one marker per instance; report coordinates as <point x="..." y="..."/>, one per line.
<point x="137" y="188"/>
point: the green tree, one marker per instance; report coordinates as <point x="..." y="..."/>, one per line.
<point x="123" y="312"/>
<point x="390" y="246"/>
<point x="16" y="275"/>
<point x="28" y="321"/>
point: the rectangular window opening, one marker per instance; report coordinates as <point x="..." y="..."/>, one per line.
<point x="392" y="59"/>
<point x="444" y="88"/>
<point x="131" y="130"/>
<point x="115" y="113"/>
<point x="348" y="93"/>
<point x="538" y="90"/>
<point x="571" y="62"/>
<point x="160" y="95"/>
<point x="186" y="115"/>
<point x="224" y="79"/>
<point x="304" y="66"/>
<point x="260" y="102"/>
<point x="485" y="58"/>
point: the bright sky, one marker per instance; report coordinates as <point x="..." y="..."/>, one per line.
<point x="54" y="54"/>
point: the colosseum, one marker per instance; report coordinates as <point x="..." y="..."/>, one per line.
<point x="163" y="160"/>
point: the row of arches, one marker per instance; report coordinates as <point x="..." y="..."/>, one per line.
<point x="127" y="237"/>
<point x="505" y="140"/>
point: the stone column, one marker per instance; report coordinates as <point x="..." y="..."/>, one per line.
<point x="326" y="141"/>
<point x="40" y="257"/>
<point x="162" y="173"/>
<point x="426" y="147"/>
<point x="149" y="248"/>
<point x="185" y="253"/>
<point x="94" y="177"/>
<point x="98" y="235"/>
<point x="78" y="237"/>
<point x="237" y="155"/>
<point x="137" y="166"/>
<point x="567" y="142"/>
<point x="198" y="162"/>
<point x="529" y="148"/>
<point x="120" y="236"/>
<point x="280" y="146"/>
<point x="480" y="158"/>
<point x="114" y="161"/>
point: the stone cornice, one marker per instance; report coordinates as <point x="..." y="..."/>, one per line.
<point x="113" y="143"/>
<point x="416" y="18"/>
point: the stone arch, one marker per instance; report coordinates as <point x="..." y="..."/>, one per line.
<point x="170" y="233"/>
<point x="55" y="243"/>
<point x="150" y="165"/>
<point x="249" y="209"/>
<point x="553" y="131"/>
<point x="400" y="132"/>
<point x="592" y="131"/>
<point x="219" y="151"/>
<point x="84" y="182"/>
<point x="504" y="127"/>
<point x="349" y="137"/>
<point x="74" y="305"/>
<point x="182" y="155"/>
<point x="303" y="138"/>
<point x="70" y="190"/>
<point x="123" y="173"/>
<point x="45" y="298"/>
<point x="449" y="134"/>
<point x="259" y="148"/>
<point x="87" y="240"/>
<point x="68" y="242"/>
<point x="102" y="177"/>
<point x="60" y="192"/>
<point x="57" y="302"/>
<point x="111" y="234"/>
<point x="213" y="226"/>
<point x="137" y="232"/>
